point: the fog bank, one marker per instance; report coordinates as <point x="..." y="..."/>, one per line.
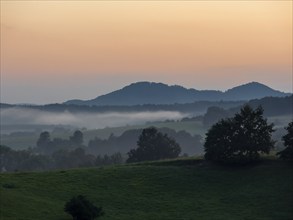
<point x="22" y="116"/>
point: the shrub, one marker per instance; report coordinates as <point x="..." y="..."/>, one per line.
<point x="82" y="209"/>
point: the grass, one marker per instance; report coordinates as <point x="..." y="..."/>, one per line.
<point x="172" y="189"/>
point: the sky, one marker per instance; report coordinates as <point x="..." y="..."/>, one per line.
<point x="53" y="51"/>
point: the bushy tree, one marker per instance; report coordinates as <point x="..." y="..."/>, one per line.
<point x="240" y="139"/>
<point x="287" y="153"/>
<point x="44" y="140"/>
<point x="82" y="209"/>
<point x="154" y="145"/>
<point x="77" y="137"/>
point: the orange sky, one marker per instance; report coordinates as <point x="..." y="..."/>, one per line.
<point x="98" y="46"/>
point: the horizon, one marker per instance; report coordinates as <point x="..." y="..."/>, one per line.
<point x="52" y="51"/>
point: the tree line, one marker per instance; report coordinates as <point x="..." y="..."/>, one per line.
<point x="58" y="153"/>
<point x="190" y="144"/>
<point x="27" y="160"/>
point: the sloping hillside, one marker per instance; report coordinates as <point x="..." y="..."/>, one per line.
<point x="181" y="189"/>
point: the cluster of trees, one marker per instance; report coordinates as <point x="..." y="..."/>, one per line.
<point x="242" y="138"/>
<point x="28" y="160"/>
<point x="23" y="160"/>
<point x="154" y="145"/>
<point x="47" y="146"/>
<point x="190" y="144"/>
<point x="60" y="153"/>
<point x="64" y="154"/>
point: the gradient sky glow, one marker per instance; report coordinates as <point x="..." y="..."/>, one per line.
<point x="52" y="51"/>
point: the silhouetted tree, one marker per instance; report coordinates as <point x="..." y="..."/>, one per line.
<point x="153" y="145"/>
<point x="77" y="137"/>
<point x="287" y="153"/>
<point x="44" y="139"/>
<point x="240" y="139"/>
<point x="82" y="209"/>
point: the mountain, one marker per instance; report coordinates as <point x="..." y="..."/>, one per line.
<point x="253" y="90"/>
<point x="158" y="93"/>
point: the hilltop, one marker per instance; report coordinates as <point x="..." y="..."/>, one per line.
<point x="158" y="93"/>
<point x="179" y="189"/>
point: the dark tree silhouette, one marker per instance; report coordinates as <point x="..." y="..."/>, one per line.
<point x="44" y="143"/>
<point x="82" y="209"/>
<point x="240" y="139"/>
<point x="44" y="139"/>
<point x="287" y="153"/>
<point x="77" y="137"/>
<point x="153" y="145"/>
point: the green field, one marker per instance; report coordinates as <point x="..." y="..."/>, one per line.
<point x="180" y="189"/>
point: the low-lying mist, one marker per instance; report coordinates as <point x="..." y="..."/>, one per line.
<point x="17" y="116"/>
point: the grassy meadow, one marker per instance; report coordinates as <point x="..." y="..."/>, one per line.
<point x="177" y="189"/>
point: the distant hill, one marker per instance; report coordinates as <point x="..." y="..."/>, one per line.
<point x="158" y="93"/>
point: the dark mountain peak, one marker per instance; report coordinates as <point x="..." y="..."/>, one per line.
<point x="250" y="85"/>
<point x="151" y="85"/>
<point x="144" y="85"/>
<point x="252" y="90"/>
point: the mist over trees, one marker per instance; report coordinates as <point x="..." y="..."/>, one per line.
<point x="190" y="144"/>
<point x="47" y="146"/>
<point x="58" y="153"/>
<point x="51" y="152"/>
